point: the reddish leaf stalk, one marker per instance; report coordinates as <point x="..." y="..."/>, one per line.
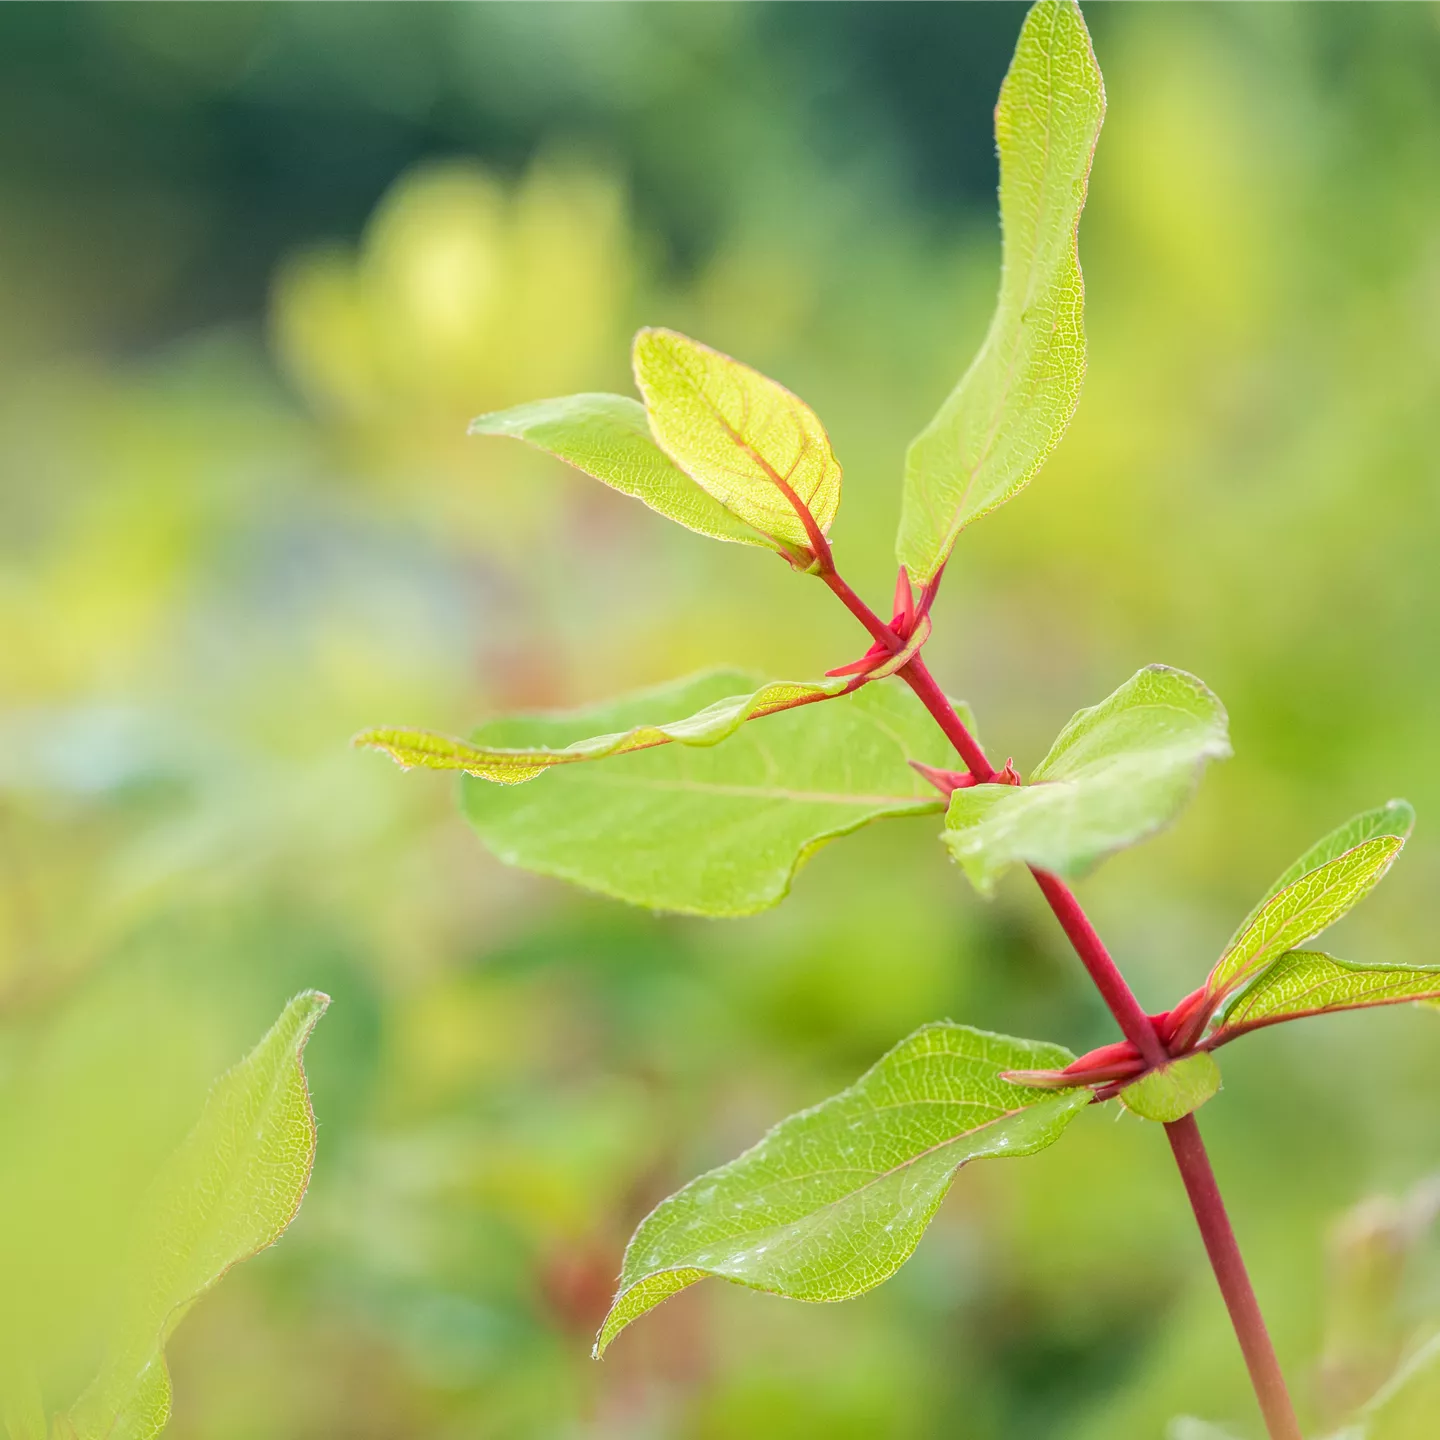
<point x="1137" y="1026"/>
<point x="1225" y="1260"/>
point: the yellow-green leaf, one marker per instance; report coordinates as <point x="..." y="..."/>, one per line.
<point x="1170" y="1092"/>
<point x="608" y="437"/>
<point x="707" y="829"/>
<point x="1325" y="883"/>
<point x="758" y="449"/>
<point x="834" y="1200"/>
<point x="1012" y="406"/>
<point x="1310" y="982"/>
<point x="228" y="1192"/>
<point x="513" y="766"/>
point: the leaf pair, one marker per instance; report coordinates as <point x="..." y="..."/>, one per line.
<point x="729" y="453"/>
<point x="1263" y="977"/>
<point x="717" y="447"/>
<point x="228" y="1192"/>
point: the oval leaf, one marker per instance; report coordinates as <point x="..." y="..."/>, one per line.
<point x="1118" y="772"/>
<point x="834" y="1200"/>
<point x="759" y="450"/>
<point x="707" y="830"/>
<point x="1327" y="882"/>
<point x="514" y="766"/>
<point x="1012" y="406"/>
<point x="608" y="437"/>
<point x="228" y="1192"/>
<point x="1172" y="1091"/>
<point x="1310" y="982"/>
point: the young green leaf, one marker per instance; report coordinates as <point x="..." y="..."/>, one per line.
<point x="834" y="1200"/>
<point x="716" y="830"/>
<point x="709" y="726"/>
<point x="228" y="1192"/>
<point x="1012" y="406"/>
<point x="758" y="449"/>
<point x="1172" y="1091"/>
<point x="1117" y="772"/>
<point x="608" y="437"/>
<point x="1310" y="982"/>
<point x="1325" y="883"/>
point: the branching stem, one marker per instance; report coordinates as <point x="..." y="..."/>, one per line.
<point x="1184" y="1135"/>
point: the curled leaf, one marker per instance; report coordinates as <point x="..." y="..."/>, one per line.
<point x="1170" y="1092"/>
<point x="515" y="765"/>
<point x="758" y="449"/>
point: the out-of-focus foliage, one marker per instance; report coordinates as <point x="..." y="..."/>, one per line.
<point x="240" y="520"/>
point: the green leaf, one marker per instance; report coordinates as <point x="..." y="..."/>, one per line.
<point x="1012" y="406"/>
<point x="1117" y="772"/>
<point x="1325" y="883"/>
<point x="716" y="830"/>
<point x="834" y="1200"/>
<point x="504" y="766"/>
<point x="1172" y="1091"/>
<point x="1310" y="982"/>
<point x="608" y="437"/>
<point x="228" y="1192"/>
<point x="745" y="439"/>
<point x="21" y="1405"/>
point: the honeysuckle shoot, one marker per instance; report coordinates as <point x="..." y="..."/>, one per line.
<point x="706" y="795"/>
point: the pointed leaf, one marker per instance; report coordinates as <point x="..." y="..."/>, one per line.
<point x="1172" y="1091"/>
<point x="1328" y="881"/>
<point x="1310" y="982"/>
<point x="1012" y="406"/>
<point x="608" y="437"/>
<point x="505" y="766"/>
<point x="1394" y="817"/>
<point x="1118" y="772"/>
<point x="710" y="831"/>
<point x="758" y="449"/>
<point x="228" y="1192"/>
<point x="834" y="1200"/>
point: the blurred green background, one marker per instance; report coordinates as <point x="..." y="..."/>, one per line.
<point x="258" y="266"/>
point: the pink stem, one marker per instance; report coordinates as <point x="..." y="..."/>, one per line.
<point x="1229" y="1267"/>
<point x="1136" y="1025"/>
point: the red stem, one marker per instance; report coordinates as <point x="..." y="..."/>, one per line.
<point x="1185" y="1141"/>
<point x="1225" y="1260"/>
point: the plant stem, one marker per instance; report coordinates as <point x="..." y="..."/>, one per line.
<point x="1229" y="1267"/>
<point x="1117" y="994"/>
<point x="1137" y="1027"/>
